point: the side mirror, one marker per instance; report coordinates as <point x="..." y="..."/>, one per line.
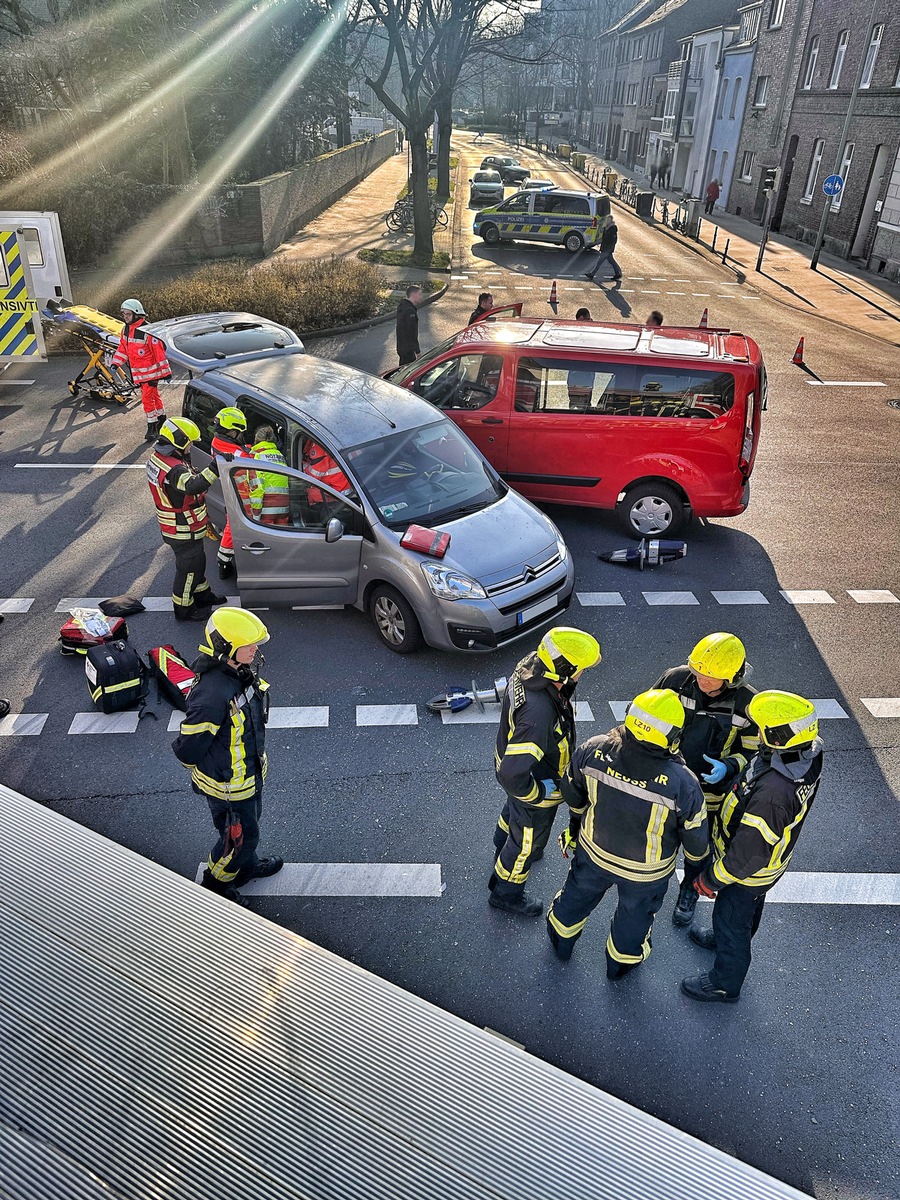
<point x="334" y="530"/>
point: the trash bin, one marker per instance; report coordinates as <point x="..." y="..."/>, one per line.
<point x="578" y="162"/>
<point x="643" y="205"/>
<point x="563" y="150"/>
<point x="610" y="182"/>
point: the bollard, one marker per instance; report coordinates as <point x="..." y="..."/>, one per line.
<point x="715" y="235"/>
<point x="725" y="251"/>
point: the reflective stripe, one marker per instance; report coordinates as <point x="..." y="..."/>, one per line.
<point x="696" y="822"/>
<point x="224" y="791"/>
<point x="524" y="748"/>
<point x="627" y="959"/>
<point x="694" y="857"/>
<point x="663" y="727"/>
<point x="97" y="692"/>
<point x="654" y="833"/>
<point x="631" y="789"/>
<point x="761" y="827"/>
<point x="203" y="727"/>
<point x="564" y="931"/>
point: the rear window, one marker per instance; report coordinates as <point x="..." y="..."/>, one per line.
<point x="486" y="177"/>
<point x="228" y="342"/>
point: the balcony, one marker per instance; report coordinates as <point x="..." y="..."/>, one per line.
<point x="675" y="70"/>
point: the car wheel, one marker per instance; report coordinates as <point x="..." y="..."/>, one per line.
<point x="396" y="623"/>
<point x="652" y="510"/>
<point x="574" y="242"/>
<point x="491" y="234"/>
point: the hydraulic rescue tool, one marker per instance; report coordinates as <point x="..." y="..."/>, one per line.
<point x="455" y="699"/>
<point x="651" y="553"/>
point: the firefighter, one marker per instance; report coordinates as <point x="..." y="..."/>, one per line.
<point x="319" y="464"/>
<point x="270" y="494"/>
<point x="228" y="439"/>
<point x="178" y="493"/>
<point x="146" y="359"/>
<point x="719" y="737"/>
<point x="534" y="744"/>
<point x="633" y="803"/>
<point x="223" y="742"/>
<point x="754" y="837"/>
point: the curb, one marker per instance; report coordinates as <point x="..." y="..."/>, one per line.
<point x="369" y="323"/>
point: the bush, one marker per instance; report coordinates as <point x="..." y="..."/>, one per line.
<point x="305" y="296"/>
<point x="440" y="259"/>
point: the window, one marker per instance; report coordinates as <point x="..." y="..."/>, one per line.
<point x="840" y="52"/>
<point x="671" y="99"/>
<point x="812" y="57"/>
<point x="698" y="61"/>
<point x="33" y="248"/>
<point x="735" y="97"/>
<point x="515" y="204"/>
<point x="747" y="165"/>
<point x="761" y="92"/>
<point x="871" y="55"/>
<point x="776" y="13"/>
<point x="470" y="381"/>
<point x="290" y="503"/>
<point x="262" y="426"/>
<point x="632" y="93"/>
<point x="897" y="80"/>
<point x="814" y="164"/>
<point x="843" y="172"/>
<point x="723" y="99"/>
<point x="562" y="202"/>
<point x="712" y="164"/>
<point x="723" y="169"/>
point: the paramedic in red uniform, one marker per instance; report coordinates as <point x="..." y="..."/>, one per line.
<point x="146" y="358"/>
<point x="228" y="439"/>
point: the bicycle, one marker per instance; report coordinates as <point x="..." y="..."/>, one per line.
<point x="401" y="217"/>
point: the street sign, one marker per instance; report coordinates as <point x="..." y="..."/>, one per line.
<point x="832" y="185"/>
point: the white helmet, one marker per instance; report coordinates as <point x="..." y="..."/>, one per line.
<point x="134" y="306"/>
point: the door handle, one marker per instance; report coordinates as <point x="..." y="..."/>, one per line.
<point x="492" y="420"/>
<point x="256" y="548"/>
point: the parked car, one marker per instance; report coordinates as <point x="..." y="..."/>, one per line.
<point x="422" y="532"/>
<point x="653" y="423"/>
<point x="511" y="170"/>
<point x="539" y="185"/>
<point x="570" y="219"/>
<point x="485" y="187"/>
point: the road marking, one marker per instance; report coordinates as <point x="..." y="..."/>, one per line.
<point x="704" y="294"/>
<point x="95" y="722"/>
<point x="883" y="706"/>
<point x="682" y="280"/>
<point x="740" y="597"/>
<point x="22" y="724"/>
<point x="676" y="293"/>
<point x="518" y="287"/>
<point x="660" y="598"/>
<point x="459" y="277"/>
<point x="599" y="599"/>
<point x="164" y="603"/>
<point x="490" y="714"/>
<point x="832" y="887"/>
<point x="69" y="602"/>
<point x="743" y="297"/>
<point x="873" y="596"/>
<point x="16" y="382"/>
<point x="830" y="710"/>
<point x="648" y="292"/>
<point x="471" y="287"/>
<point x="659" y="278"/>
<point x="80" y="466"/>
<point x="619" y="708"/>
<point x="16" y="604"/>
<point x="346" y="879"/>
<point x="386" y="714"/>
<point x="844" y="383"/>
<point x="313" y="717"/>
<point x="807" y="597"/>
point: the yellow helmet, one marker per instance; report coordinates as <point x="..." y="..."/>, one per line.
<point x="657" y="717"/>
<point x="231" y="418"/>
<point x="563" y="651"/>
<point x="230" y="628"/>
<point x="784" y="719"/>
<point x="180" y="431"/>
<point x="720" y="656"/>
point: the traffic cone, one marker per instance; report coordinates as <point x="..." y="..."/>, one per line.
<point x="704" y="320"/>
<point x="797" y="360"/>
<point x="552" y="299"/>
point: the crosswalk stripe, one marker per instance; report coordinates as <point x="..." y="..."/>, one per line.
<point x="22" y="724"/>
<point x="69" y="602"/>
<point x="164" y="603"/>
<point x="807" y="597"/>
<point x="884" y="706"/>
<point x="740" y="597"/>
<point x="833" y="887"/>
<point x="490" y="714"/>
<point x="599" y="599"/>
<point x="308" y="717"/>
<point x="873" y="596"/>
<point x="16" y="604"/>
<point x="386" y="714"/>
<point x="669" y="598"/>
<point x="96" y="722"/>
<point x="346" y="879"/>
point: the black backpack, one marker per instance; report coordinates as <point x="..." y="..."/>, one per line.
<point x="116" y="676"/>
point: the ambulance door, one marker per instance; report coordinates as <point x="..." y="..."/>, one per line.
<point x="42" y="239"/>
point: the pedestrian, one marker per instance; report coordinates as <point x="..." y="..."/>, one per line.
<point x="754" y="837"/>
<point x="608" y="242"/>
<point x="228" y="439"/>
<point x="665" y="166"/>
<point x="399" y="141"/>
<point x="484" y="306"/>
<point x="408" y="325"/>
<point x="654" y="171"/>
<point x="712" y="195"/>
<point x="178" y="492"/>
<point x="535" y="741"/>
<point x="719" y="736"/>
<point x="223" y="742"/>
<point x="146" y="359"/>
<point x="633" y="802"/>
<point x="654" y="319"/>
<point x="583" y="314"/>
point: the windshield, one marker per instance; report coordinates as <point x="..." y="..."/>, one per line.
<point x="238" y="339"/>
<point x="400" y="377"/>
<point x="428" y="475"/>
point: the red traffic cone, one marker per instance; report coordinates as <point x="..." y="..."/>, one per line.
<point x="552" y="299"/>
<point x="704" y="320"/>
<point x="797" y="360"/>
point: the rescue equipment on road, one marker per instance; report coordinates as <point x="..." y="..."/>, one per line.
<point x="647" y="553"/>
<point x="88" y="627"/>
<point x="174" y="678"/>
<point x="116" y="676"/>
<point x="426" y="541"/>
<point x="704" y="320"/>
<point x="121" y="606"/>
<point x="797" y="360"/>
<point x="99" y="335"/>
<point x="456" y="699"/>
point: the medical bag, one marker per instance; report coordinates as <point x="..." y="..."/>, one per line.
<point x="174" y="678"/>
<point x="116" y="676"/>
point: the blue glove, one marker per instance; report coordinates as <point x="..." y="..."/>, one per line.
<point x="550" y="788"/>
<point x="717" y="770"/>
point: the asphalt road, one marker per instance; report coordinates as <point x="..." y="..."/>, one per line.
<point x="800" y="1077"/>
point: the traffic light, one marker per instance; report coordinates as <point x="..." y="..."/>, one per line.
<point x="771" y="175"/>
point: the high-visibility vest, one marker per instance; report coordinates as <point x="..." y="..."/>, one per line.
<point x="319" y="464"/>
<point x="145" y="355"/>
<point x="225" y="445"/>
<point x="186" y="518"/>
<point x="270" y="493"/>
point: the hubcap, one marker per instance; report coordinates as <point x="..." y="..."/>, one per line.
<point x="650" y="515"/>
<point x="389" y="620"/>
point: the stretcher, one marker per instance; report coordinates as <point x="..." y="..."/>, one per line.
<point x="99" y="335"/>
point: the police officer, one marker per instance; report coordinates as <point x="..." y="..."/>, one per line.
<point x="178" y="493"/>
<point x="633" y="803"/>
<point x="719" y="737"/>
<point x="223" y="742"/>
<point x="754" y="836"/>
<point x="228" y="439"/>
<point x="534" y="744"/>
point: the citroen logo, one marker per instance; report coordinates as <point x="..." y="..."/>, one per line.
<point x="529" y="574"/>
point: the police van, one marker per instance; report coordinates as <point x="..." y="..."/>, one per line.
<point x="570" y="219"/>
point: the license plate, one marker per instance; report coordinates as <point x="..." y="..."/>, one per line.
<point x="536" y="609"/>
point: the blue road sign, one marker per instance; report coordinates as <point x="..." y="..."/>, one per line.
<point x="832" y="185"/>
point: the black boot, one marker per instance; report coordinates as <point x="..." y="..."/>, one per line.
<point x="228" y="890"/>
<point x="701" y="987"/>
<point x="261" y="869"/>
<point x="226" y="567"/>
<point x="703" y="937"/>
<point x="562" y="947"/>
<point x="152" y="431"/>
<point x="683" y="913"/>
<point x="4" y="707"/>
<point x="191" y="614"/>
<point x="209" y="599"/>
<point x="521" y="904"/>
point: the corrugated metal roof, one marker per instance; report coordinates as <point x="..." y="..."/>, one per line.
<point x="159" y="1041"/>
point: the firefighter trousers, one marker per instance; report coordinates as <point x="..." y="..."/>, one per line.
<point x="629" y="942"/>
<point x="152" y="402"/>
<point x="522" y="832"/>
<point x="190" y="587"/>
<point x="233" y="857"/>
<point x="736" y="916"/>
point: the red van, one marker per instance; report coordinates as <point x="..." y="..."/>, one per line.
<point x="654" y="423"/>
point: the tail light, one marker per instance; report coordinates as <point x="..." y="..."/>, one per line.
<point x="747" y="445"/>
<point x="426" y="541"/>
<point x="593" y="222"/>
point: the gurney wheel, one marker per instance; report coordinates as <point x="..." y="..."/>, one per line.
<point x="74" y="388"/>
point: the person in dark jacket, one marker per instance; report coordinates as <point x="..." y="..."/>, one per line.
<point x="608" y="242"/>
<point x="223" y="743"/>
<point x="535" y="741"/>
<point x="754" y="836"/>
<point x="712" y="195"/>
<point x="408" y="326"/>
<point x="633" y="803"/>
<point x="719" y="737"/>
<point x="484" y="305"/>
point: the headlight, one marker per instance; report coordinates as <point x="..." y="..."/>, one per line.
<point x="452" y="585"/>
<point x="562" y="548"/>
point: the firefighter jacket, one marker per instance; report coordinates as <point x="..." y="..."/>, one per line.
<point x="633" y="805"/>
<point x="178" y="493"/>
<point x="319" y="464"/>
<point x="536" y="735"/>
<point x="145" y="355"/>
<point x="270" y="493"/>
<point x="714" y="725"/>
<point x="223" y="734"/>
<point x="756" y="831"/>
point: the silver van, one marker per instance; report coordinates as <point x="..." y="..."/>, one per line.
<point x="405" y="473"/>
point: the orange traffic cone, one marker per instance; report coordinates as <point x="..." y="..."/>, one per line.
<point x="704" y="320"/>
<point x="797" y="360"/>
<point x="552" y="299"/>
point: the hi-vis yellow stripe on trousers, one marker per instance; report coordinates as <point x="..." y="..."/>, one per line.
<point x="20" y="335"/>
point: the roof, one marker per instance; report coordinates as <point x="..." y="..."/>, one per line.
<point x="624" y="24"/>
<point x="662" y="12"/>
<point x="160" y="1041"/>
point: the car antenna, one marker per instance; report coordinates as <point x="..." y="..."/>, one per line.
<point x="384" y="416"/>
